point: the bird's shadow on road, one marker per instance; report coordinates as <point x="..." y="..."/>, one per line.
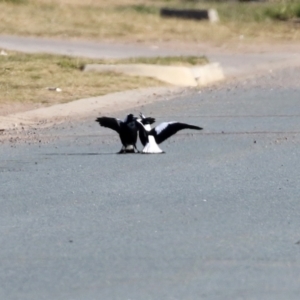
<point x="86" y="154"/>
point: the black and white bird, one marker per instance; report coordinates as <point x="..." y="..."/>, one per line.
<point x="143" y="131"/>
<point x="127" y="130"/>
<point x="150" y="138"/>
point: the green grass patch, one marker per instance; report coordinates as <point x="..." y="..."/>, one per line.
<point x="283" y="12"/>
<point x="159" y="60"/>
<point x="248" y="11"/>
<point x="14" y="1"/>
<point x="169" y="60"/>
<point x="140" y="9"/>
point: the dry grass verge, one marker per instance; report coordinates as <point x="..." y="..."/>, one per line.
<point x="26" y="78"/>
<point x="139" y="20"/>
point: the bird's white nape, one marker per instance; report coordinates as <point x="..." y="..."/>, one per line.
<point x="147" y="127"/>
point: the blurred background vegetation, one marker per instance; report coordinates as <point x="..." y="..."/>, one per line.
<point x="140" y="21"/>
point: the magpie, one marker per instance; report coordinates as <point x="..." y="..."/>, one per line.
<point x="126" y="129"/>
<point x="150" y="138"/>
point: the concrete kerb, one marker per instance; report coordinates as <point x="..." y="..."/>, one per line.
<point x="176" y="75"/>
<point x="46" y="116"/>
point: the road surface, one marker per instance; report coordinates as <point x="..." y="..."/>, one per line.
<point x="216" y="217"/>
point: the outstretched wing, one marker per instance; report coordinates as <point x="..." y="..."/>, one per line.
<point x="164" y="130"/>
<point x="111" y="123"/>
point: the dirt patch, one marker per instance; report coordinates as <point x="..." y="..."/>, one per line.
<point x="12" y="108"/>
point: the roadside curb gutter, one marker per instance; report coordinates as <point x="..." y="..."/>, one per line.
<point x="176" y="75"/>
<point x="46" y="116"/>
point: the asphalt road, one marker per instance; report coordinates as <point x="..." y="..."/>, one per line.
<point x="216" y="217"/>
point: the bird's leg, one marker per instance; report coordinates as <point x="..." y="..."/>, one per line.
<point x="137" y="150"/>
<point x="122" y="151"/>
